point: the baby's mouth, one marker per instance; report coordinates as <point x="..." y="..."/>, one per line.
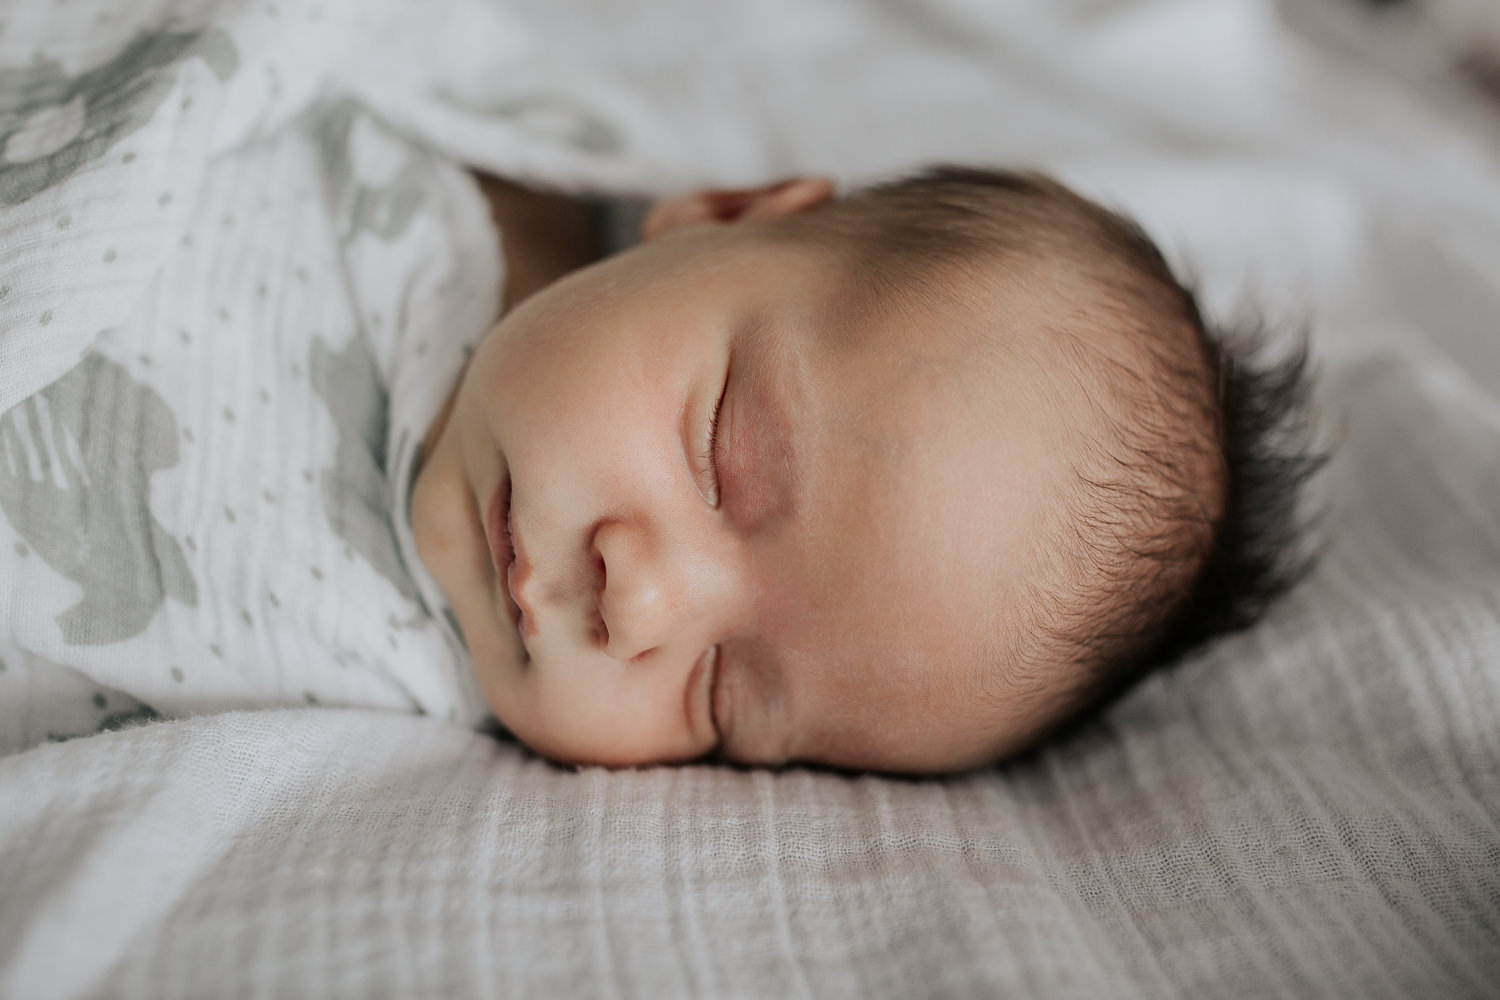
<point x="497" y="529"/>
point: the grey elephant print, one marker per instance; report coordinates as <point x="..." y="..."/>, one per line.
<point x="53" y="124"/>
<point x="383" y="208"/>
<point x="354" y="487"/>
<point x="75" y="467"/>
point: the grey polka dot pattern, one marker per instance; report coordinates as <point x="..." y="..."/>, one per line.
<point x="280" y="390"/>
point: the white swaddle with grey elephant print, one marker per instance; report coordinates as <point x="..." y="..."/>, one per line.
<point x="200" y="510"/>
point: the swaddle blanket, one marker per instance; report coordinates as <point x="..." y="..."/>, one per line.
<point x="203" y="512"/>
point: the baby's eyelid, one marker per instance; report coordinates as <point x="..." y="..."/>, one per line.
<point x="711" y="455"/>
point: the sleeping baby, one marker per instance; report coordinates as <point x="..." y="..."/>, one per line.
<point x="903" y="481"/>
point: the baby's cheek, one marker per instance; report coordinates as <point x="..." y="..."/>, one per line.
<point x="595" y="712"/>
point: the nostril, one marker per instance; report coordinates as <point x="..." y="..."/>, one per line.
<point x="632" y="599"/>
<point x="601" y="628"/>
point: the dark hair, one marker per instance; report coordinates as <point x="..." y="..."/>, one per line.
<point x="1186" y="519"/>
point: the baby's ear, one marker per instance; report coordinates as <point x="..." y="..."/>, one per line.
<point x="720" y="205"/>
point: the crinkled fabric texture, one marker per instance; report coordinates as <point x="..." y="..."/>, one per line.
<point x="1310" y="808"/>
<point x="205" y="512"/>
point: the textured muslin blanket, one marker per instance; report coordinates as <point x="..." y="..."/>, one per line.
<point x="1309" y="808"/>
<point x="208" y="511"/>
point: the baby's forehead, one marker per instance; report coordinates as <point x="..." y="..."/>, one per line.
<point x="975" y="333"/>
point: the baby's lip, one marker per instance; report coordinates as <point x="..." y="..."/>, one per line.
<point x="497" y="531"/>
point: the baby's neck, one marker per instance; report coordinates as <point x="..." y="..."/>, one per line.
<point x="543" y="236"/>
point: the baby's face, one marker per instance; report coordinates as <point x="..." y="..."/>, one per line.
<point x="697" y="500"/>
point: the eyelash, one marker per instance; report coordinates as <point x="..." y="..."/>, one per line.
<point x="711" y="459"/>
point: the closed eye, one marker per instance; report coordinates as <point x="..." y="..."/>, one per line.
<point x="710" y="457"/>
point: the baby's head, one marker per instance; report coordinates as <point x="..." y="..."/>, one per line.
<point x="901" y="481"/>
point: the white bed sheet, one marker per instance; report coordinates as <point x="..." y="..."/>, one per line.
<point x="1308" y="808"/>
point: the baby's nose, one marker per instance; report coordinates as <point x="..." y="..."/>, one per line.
<point x="657" y="591"/>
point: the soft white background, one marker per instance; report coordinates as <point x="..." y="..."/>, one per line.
<point x="1310" y="808"/>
